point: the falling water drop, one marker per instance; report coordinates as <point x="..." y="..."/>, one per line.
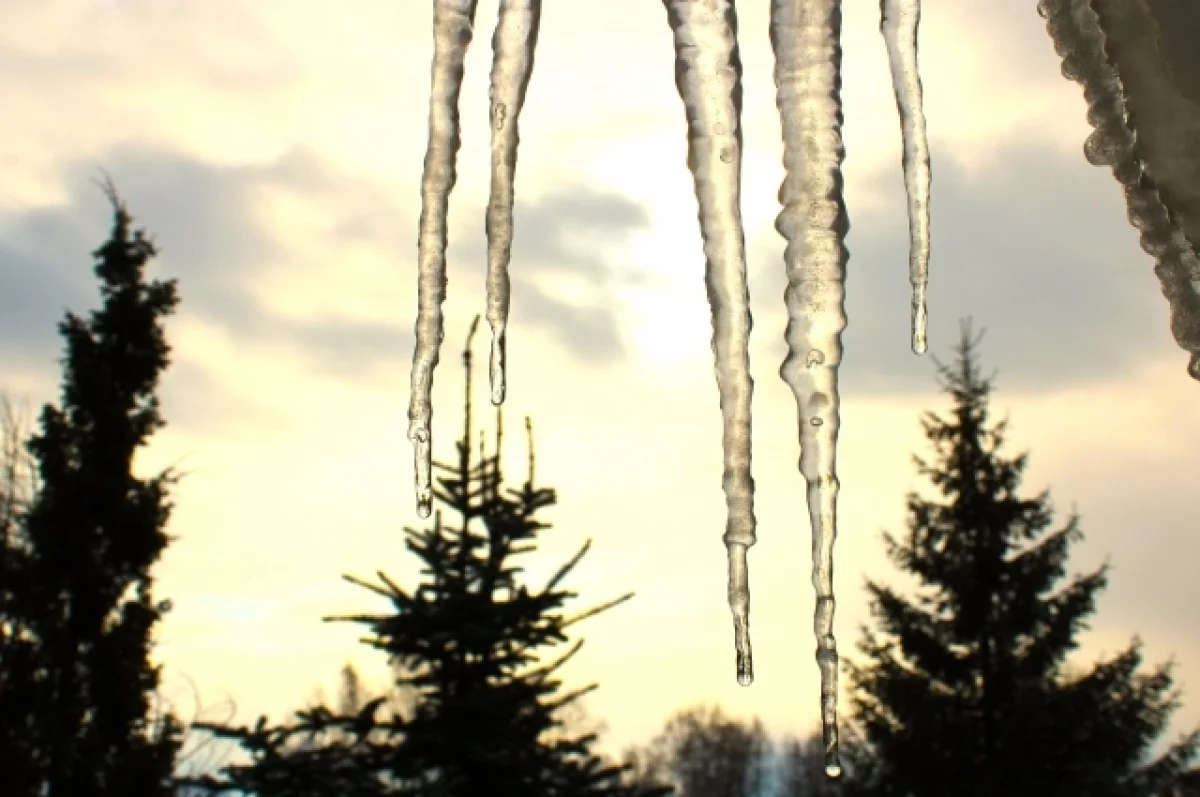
<point x="805" y="39"/>
<point x="899" y="20"/>
<point x="513" y="46"/>
<point x="453" y="24"/>
<point x="708" y="75"/>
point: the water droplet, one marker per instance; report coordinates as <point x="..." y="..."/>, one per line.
<point x="815" y="357"/>
<point x="424" y="503"/>
<point x="816" y="421"/>
<point x="833" y="771"/>
<point x="727" y="155"/>
<point x="745" y="678"/>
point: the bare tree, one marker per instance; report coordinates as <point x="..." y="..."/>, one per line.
<point x="801" y="768"/>
<point x="704" y="753"/>
<point x="353" y="696"/>
<point x="18" y="471"/>
<point x="19" y="748"/>
<point x="200" y="754"/>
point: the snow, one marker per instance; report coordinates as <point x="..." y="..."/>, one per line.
<point x="1081" y="42"/>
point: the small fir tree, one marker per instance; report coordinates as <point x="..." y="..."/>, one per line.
<point x="486" y="710"/>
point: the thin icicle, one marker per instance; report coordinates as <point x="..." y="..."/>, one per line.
<point x="513" y="44"/>
<point x="708" y="74"/>
<point x="453" y="26"/>
<point x="899" y="20"/>
<point x="805" y="38"/>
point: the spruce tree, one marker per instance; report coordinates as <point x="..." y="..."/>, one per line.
<point x="472" y="633"/>
<point x="486" y="709"/>
<point x="78" y="612"/>
<point x="966" y="690"/>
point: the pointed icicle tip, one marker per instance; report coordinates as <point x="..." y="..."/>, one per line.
<point x="899" y="21"/>
<point x="919" y="323"/>
<point x="497" y="369"/>
<point x="745" y="668"/>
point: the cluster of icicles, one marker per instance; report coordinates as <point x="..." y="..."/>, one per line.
<point x="805" y="36"/>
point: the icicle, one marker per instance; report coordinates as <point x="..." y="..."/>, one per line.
<point x="453" y="23"/>
<point x="898" y="23"/>
<point x="708" y="74"/>
<point x="513" y="44"/>
<point x="1081" y="42"/>
<point x="805" y="38"/>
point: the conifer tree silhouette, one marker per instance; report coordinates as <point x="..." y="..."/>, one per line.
<point x="77" y="610"/>
<point x="964" y="690"/>
<point x="485" y="717"/>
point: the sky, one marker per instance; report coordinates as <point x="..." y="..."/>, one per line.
<point x="274" y="152"/>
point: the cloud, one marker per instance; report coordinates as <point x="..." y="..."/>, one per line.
<point x="1035" y="247"/>
<point x="37" y="285"/>
<point x="590" y="332"/>
<point x="214" y="238"/>
<point x="196" y="400"/>
<point x="565" y="236"/>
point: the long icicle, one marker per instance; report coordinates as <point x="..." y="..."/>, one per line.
<point x="513" y="46"/>
<point x="805" y="38"/>
<point x="898" y="23"/>
<point x="708" y="74"/>
<point x="453" y="27"/>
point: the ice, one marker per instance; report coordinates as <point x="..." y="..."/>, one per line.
<point x="513" y="45"/>
<point x="1078" y="38"/>
<point x="708" y="74"/>
<point x="805" y="38"/>
<point x="453" y="26"/>
<point x="898" y="23"/>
